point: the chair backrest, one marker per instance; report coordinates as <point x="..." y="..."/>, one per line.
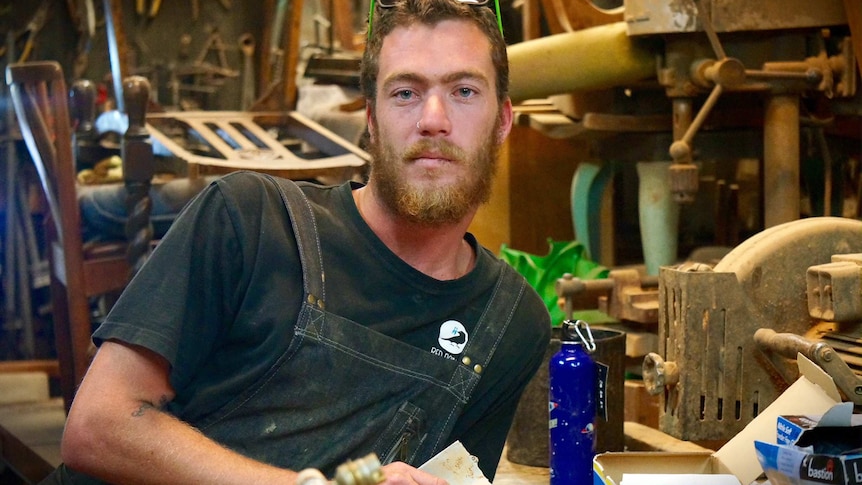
<point x="78" y="271"/>
<point x="39" y="96"/>
<point x="41" y="101"/>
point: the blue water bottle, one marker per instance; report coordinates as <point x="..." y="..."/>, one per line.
<point x="572" y="407"/>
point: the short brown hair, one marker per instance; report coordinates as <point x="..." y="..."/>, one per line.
<point x="431" y="12"/>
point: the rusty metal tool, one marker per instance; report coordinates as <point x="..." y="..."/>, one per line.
<point x="85" y="41"/>
<point x="215" y="43"/>
<point x="788" y="345"/>
<point x="31" y="30"/>
<point x="625" y="294"/>
<point x="246" y="46"/>
<point x="154" y="8"/>
<point x="276" y="54"/>
<point x="141" y="8"/>
<point x="711" y="378"/>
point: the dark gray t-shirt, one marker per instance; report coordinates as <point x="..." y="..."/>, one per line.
<point x="219" y="297"/>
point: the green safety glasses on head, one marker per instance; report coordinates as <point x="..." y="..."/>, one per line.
<point x="392" y="3"/>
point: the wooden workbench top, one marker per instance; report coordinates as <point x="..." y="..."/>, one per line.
<point x="30" y="437"/>
<point x="509" y="473"/>
<point x="30" y="443"/>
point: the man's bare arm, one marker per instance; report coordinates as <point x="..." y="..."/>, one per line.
<point x="117" y="431"/>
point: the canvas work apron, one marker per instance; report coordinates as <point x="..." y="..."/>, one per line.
<point x="341" y="390"/>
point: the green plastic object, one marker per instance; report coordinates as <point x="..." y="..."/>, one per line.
<point x="542" y="272"/>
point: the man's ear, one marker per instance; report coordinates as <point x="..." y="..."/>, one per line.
<point x="369" y="119"/>
<point x="506" y="117"/>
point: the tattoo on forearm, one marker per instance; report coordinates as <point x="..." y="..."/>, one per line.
<point x="163" y="401"/>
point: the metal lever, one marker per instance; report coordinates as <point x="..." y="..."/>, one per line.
<point x="789" y="344"/>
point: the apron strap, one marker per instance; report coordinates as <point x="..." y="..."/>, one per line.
<point x="492" y="325"/>
<point x="307" y="239"/>
<point x="490" y="329"/>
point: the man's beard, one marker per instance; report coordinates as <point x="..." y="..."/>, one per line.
<point x="426" y="204"/>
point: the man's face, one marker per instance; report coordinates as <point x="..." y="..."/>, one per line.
<point x="442" y="78"/>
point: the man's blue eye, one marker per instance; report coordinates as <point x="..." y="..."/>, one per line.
<point x="465" y="92"/>
<point x="404" y="94"/>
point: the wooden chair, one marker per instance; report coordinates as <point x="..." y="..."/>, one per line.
<point x="80" y="271"/>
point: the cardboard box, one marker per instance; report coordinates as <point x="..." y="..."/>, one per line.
<point x="791" y="428"/>
<point x="827" y="452"/>
<point x="790" y="465"/>
<point x="813" y="393"/>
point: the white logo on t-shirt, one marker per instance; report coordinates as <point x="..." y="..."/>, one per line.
<point x="453" y="336"/>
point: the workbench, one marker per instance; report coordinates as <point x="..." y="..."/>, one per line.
<point x="30" y="437"/>
<point x="30" y="444"/>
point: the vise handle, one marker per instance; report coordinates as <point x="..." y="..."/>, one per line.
<point x="789" y="345"/>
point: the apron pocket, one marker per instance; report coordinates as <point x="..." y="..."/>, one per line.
<point x="403" y="436"/>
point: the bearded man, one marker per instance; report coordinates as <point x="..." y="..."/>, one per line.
<point x="231" y="358"/>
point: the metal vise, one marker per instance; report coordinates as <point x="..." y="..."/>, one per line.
<point x="710" y="371"/>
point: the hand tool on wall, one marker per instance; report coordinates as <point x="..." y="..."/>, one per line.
<point x="141" y="8"/>
<point x="28" y="33"/>
<point x="83" y="15"/>
<point x="276" y="54"/>
<point x="215" y="43"/>
<point x="154" y="7"/>
<point x="278" y="64"/>
<point x="246" y="46"/>
<point x="116" y="48"/>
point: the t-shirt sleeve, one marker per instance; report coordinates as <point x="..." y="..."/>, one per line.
<point x="188" y="289"/>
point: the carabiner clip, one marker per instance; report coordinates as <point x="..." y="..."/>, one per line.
<point x="588" y="341"/>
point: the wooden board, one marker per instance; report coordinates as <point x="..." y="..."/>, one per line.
<point x="30" y="436"/>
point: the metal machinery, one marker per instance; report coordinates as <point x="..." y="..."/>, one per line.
<point x="727" y="332"/>
<point x="719" y="362"/>
<point x="704" y="83"/>
<point x="711" y="372"/>
<point x="782" y="50"/>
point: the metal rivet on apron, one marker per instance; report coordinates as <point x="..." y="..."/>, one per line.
<point x="311" y="299"/>
<point x="320" y="304"/>
<point x="466" y="360"/>
<point x="477" y="368"/>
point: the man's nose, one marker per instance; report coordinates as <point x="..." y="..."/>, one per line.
<point x="434" y="119"/>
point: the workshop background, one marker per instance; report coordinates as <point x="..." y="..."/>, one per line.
<point x="691" y="163"/>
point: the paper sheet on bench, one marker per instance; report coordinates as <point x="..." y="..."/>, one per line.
<point x="456" y="465"/>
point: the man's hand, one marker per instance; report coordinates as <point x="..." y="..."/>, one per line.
<point x="399" y="473"/>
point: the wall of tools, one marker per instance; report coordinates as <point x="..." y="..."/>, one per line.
<point x="198" y="54"/>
